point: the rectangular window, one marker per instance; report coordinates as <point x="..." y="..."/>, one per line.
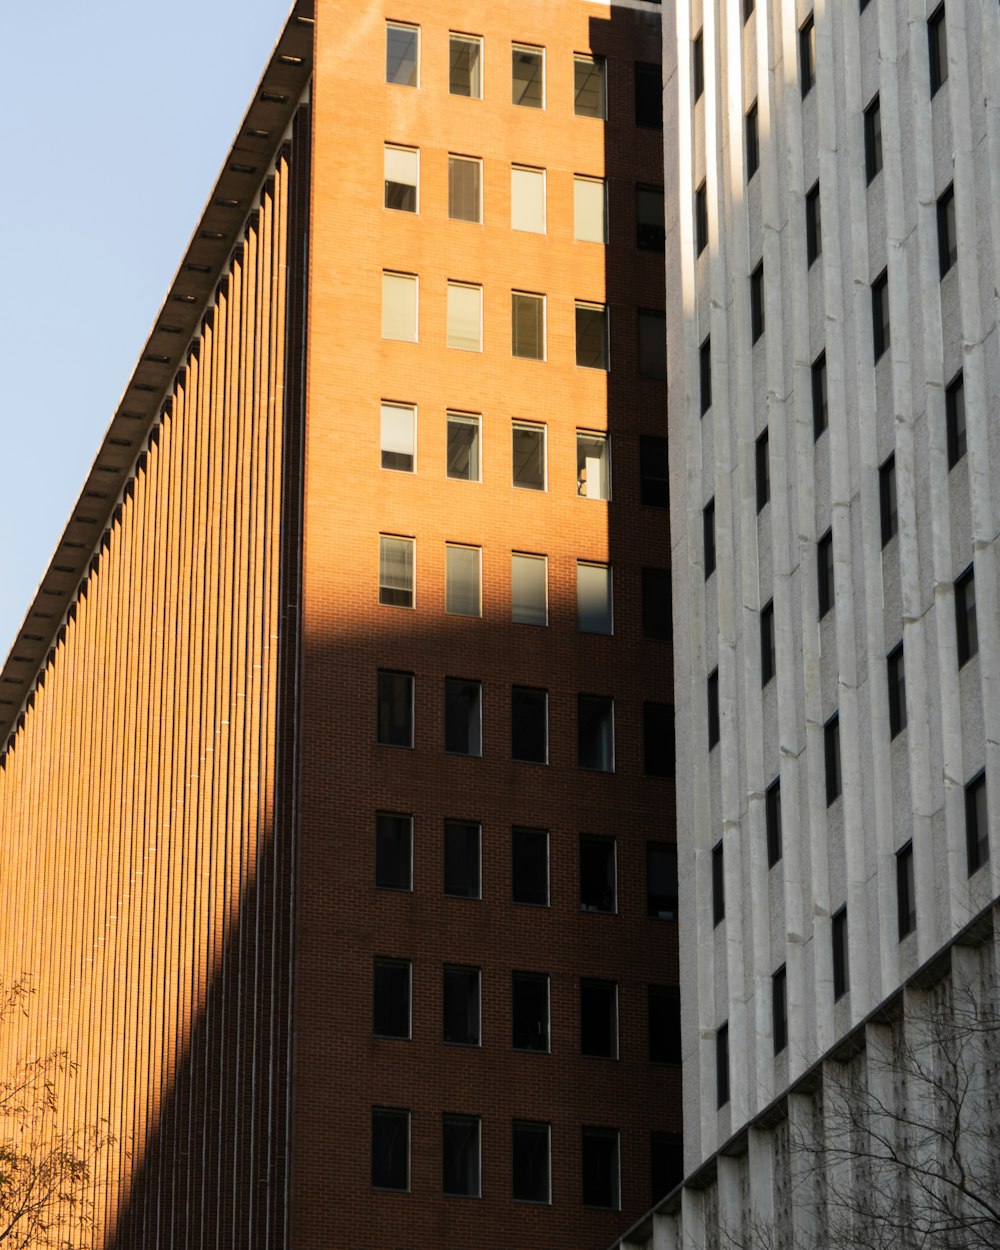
<point x="595" y="719"/>
<point x="463" y="581"/>
<point x="654" y="476"/>
<point x="831" y="758"/>
<point x="897" y="691"/>
<point x="600" y="1169"/>
<point x="529" y="1010"/>
<point x="947" y="233"/>
<point x="954" y="408"/>
<point x="824" y="574"/>
<point x="873" y="139"/>
<point x="590" y="86"/>
<point x="722" y="1066"/>
<point x="718" y="884"/>
<point x="530" y="1162"/>
<point x="530" y="867"/>
<point x="465" y="317"/>
<point x="977" y="832"/>
<point x="598" y="875"/>
<point x="593" y="466"/>
<point x="463" y="446"/>
<point x="465" y="58"/>
<point x="708" y="537"/>
<point x="402" y="54"/>
<point x="528" y="76"/>
<point x="395" y="571"/>
<point x="841" y="963"/>
<point x="598" y="1019"/>
<point x="807" y="55"/>
<point x="390" y="1149"/>
<point x="712" y="686"/>
<point x="528" y="455"/>
<point x="594" y="608"/>
<point x="529" y="733"/>
<point x="814" y="233"/>
<point x="772" y="821"/>
<point x="527" y="318"/>
<point x="762" y="467"/>
<point x="888" y="511"/>
<point x="697" y="67"/>
<point x="937" y="48"/>
<point x="779" y="1009"/>
<point x="649" y="220"/>
<point x="701" y="218"/>
<point x="399" y="306"/>
<point x="391" y="998"/>
<point x="402" y="172"/>
<point x="463" y="859"/>
<point x="657" y="605"/>
<point x="460" y="1156"/>
<point x="529" y="589"/>
<point x="966" y="626"/>
<point x="652" y="344"/>
<point x="592" y="335"/>
<point x="661" y="880"/>
<point x="590" y="216"/>
<point x="705" y="374"/>
<point x="465" y="188"/>
<point x="768" y="661"/>
<point x="757" y="303"/>
<point x="820" y="409"/>
<point x="648" y="97"/>
<point x="658" y="748"/>
<point x="461" y="1006"/>
<point x="881" y="336"/>
<point x="527" y="199"/>
<point x="395" y="708"/>
<point x="664" y="1023"/>
<point x="398" y="437"/>
<point x="753" y="141"/>
<point x="906" y="898"/>
<point x="666" y="1164"/>
<point x="393" y="851"/>
<point x="463" y="716"/>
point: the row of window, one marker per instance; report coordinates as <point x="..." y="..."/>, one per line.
<point x="530" y="866"/>
<point x="466" y="63"/>
<point x="528" y="197"/>
<point x="531" y="1152"/>
<point x="529" y="732"/>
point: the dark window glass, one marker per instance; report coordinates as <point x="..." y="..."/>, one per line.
<point x="530" y="1162"/>
<point x="401" y="50"/>
<point x="841" y="980"/>
<point x="977" y="833"/>
<point x="757" y="303"/>
<point x="705" y="366"/>
<point x="881" y="336"/>
<point x="592" y="336"/>
<point x="664" y="1021"/>
<point x="529" y="1003"/>
<point x="527" y="325"/>
<point x="652" y="353"/>
<point x="598" y="874"/>
<point x="463" y="447"/>
<point x="954" y="403"/>
<point x="722" y="1066"/>
<point x="873" y="139"/>
<point x="463" y="734"/>
<point x="599" y="1019"/>
<point x="528" y="456"/>
<point x="814" y="233"/>
<point x="654" y="479"/>
<point x="897" y="691"/>
<point x="666" y="1164"/>
<point x="747" y="10"/>
<point x="772" y="821"/>
<point x="649" y="221"/>
<point x="390" y="1149"/>
<point x="661" y="880"/>
<point x="465" y="54"/>
<point x="713" y="708"/>
<point x="461" y="1006"/>
<point x="528" y="77"/>
<point x="701" y="218"/>
<point x="718" y="884"/>
<point x="648" y="97"/>
<point x="888" y="511"/>
<point x="819" y="403"/>
<point x="600" y="1168"/>
<point x="831" y="753"/>
<point x="529" y="724"/>
<point x="393" y="851"/>
<point x="779" y="1009"/>
<point x="807" y="55"/>
<point x="905" y="897"/>
<point x="530" y="866"/>
<point x="708" y="534"/>
<point x="824" y="573"/>
<point x="395" y="709"/>
<point x="763" y="467"/>
<point x="698" y="66"/>
<point x="753" y="143"/>
<point x="937" y="48"/>
<point x="595" y="733"/>
<point x="462" y="856"/>
<point x="391" y="998"/>
<point x="966" y="628"/>
<point x="947" y="234"/>
<point x="658" y="747"/>
<point x="657" y="607"/>
<point x="767" y="653"/>
<point x="460" y="1156"/>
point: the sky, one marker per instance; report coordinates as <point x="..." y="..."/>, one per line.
<point x="117" y="116"/>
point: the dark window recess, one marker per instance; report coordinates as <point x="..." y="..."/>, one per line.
<point x="757" y="303"/>
<point x="460" y="1156"/>
<point x="395" y="709"/>
<point x="937" y="48"/>
<point x="977" y="833"/>
<point x="701" y="218"/>
<point x="648" y="97"/>
<point x="718" y="884"/>
<point x="831" y="758"/>
<point x="462" y="840"/>
<point x="753" y="141"/>
<point x="461" y="1006"/>
<point x="966" y="627"/>
<point x="881" y="333"/>
<point x="819" y="402"/>
<point x="463" y="716"/>
<point x="649" y="220"/>
<point x="906" y="899"/>
<point x="814" y="232"/>
<point x="841" y="977"/>
<point x="598" y="874"/>
<point x="705" y="367"/>
<point x="873" y="139"/>
<point x="651" y="327"/>
<point x="595" y="733"/>
<point x="763" y="470"/>
<point x="897" y="691"/>
<point x="712" y="688"/>
<point x="666" y="1164"/>
<point x="600" y="1169"/>
<point x="599" y="1019"/>
<point x="698" y="67"/>
<point x="390" y="1149"/>
<point x="947" y="234"/>
<point x="824" y="574"/>
<point x="779" y="1009"/>
<point x="592" y="336"/>
<point x="807" y="55"/>
<point x="658" y="746"/>
<point x="767" y="652"/>
<point x="657" y="605"/>
<point x="888" y="511"/>
<point x="954" y="407"/>
<point x="708" y="534"/>
<point x="654" y="476"/>
<point x="529" y="724"/>
<point x="722" y="1066"/>
<point x="664" y="1023"/>
<point x="391" y="998"/>
<point x="530" y="867"/>
<point x="772" y="821"/>
<point x="661" y="880"/>
<point x="393" y="851"/>
<point x="530" y="1162"/>
<point x="529" y="1003"/>
<point x="748" y="6"/>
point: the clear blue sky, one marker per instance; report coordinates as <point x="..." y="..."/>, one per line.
<point x="117" y="116"/>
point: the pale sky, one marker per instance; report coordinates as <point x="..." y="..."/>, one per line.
<point x="116" y="118"/>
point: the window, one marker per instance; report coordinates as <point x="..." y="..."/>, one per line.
<point x="873" y="139"/>
<point x="757" y="303"/>
<point x="528" y="454"/>
<point x="462" y="859"/>
<point x="402" y="51"/>
<point x="402" y="171"/>
<point x="824" y="573"/>
<point x="590" y="215"/>
<point x="528" y="76"/>
<point x="463" y="578"/>
<point x="527" y="199"/>
<point x="465" y="188"/>
<point x="722" y="1066"/>
<point x="600" y="1168"/>
<point x="701" y="218"/>
<point x="880" y="315"/>
<point x="594" y="613"/>
<point x="397" y="437"/>
<point x="708" y="537"/>
<point x="779" y="1009"/>
<point x="463" y="716"/>
<point x="460" y="1156"/>
<point x="705" y="374"/>
<point x="840" y="955"/>
<point x="664" y="1023"/>
<point x="661" y="880"/>
<point x="648" y="97"/>
<point x="652" y="344"/>
<point x="395" y="709"/>
<point x="718" y="884"/>
<point x="977" y="833"/>
<point x="807" y="55"/>
<point x="966" y="628"/>
<point x="465" y="317"/>
<point x="593" y="467"/>
<point x="391" y="998"/>
<point x="395" y="571"/>
<point x="947" y="236"/>
<point x="530" y="1162"/>
<point x="592" y="335"/>
<point x="698" y="67"/>
<point x="530" y="867"/>
<point x="529" y="1010"/>
<point x="649" y="219"/>
<point x="658" y="739"/>
<point x="888" y="512"/>
<point x="529" y="589"/>
<point x="772" y="821"/>
<point x="747" y="10"/>
<point x="937" y="48"/>
<point x="831" y="758"/>
<point x="463" y="446"/>
<point x="529" y="725"/>
<point x="595" y="719"/>
<point x="390" y="1149"/>
<point x="768" y="665"/>
<point x="598" y="1019"/>
<point x="906" y="899"/>
<point x="666" y="1164"/>
<point x="461" y="1001"/>
<point x="654" y="480"/>
<point x="753" y="142"/>
<point x="393" y="851"/>
<point x="814" y="234"/>
<point x="954" y="408"/>
<point x="399" y="307"/>
<point x="763" y="470"/>
<point x="712" y="686"/>
<point x="465" y="57"/>
<point x="819" y="402"/>
<point x="527" y="314"/>
<point x="590" y="86"/>
<point x="598" y="875"/>
<point x="657" y="605"/>
<point x="897" y="691"/>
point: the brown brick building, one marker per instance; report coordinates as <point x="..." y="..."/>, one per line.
<point x="337" y="802"/>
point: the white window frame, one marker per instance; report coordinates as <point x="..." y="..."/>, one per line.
<point x="524" y="47"/>
<point x="409" y="277"/>
<point x="534" y="171"/>
<point x="404" y="26"/>
<point x="465" y="38"/>
<point x="401" y="147"/>
<point x="591" y="180"/>
<point x="454" y="285"/>
<point x="399" y="407"/>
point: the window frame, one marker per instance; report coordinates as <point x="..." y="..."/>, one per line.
<point x="408" y="26"/>
<point x="832" y="766"/>
<point x="752" y="140"/>
<point x="668" y="852"/>
<point x="722" y="1065"/>
<point x="718" y="883"/>
<point x="814" y="227"/>
<point x="533" y="690"/>
<point x="956" y="431"/>
<point x="841" y="953"/>
<point x="475" y="1182"/>
<point x="598" y="316"/>
<point x="762" y="469"/>
<point x="937" y="49"/>
<point x="455" y="36"/>
<point x="471" y="420"/>
<point x="597" y="438"/>
<point x="533" y="1127"/>
<point x="534" y="172"/>
<point x="403" y="1116"/>
<point x="757" y="316"/>
<point x="456" y="159"/>
<point x="820" y="397"/>
<point x="966" y="619"/>
<point x="651" y="362"/>
<point x="527" y="49"/>
<point x="531" y="832"/>
<point x="977" y="839"/>
<point x="888" y="505"/>
<point x="873" y="139"/>
<point x="539" y="303"/>
<point x="826" y="586"/>
<point x="881" y="321"/>
<point x="381" y="878"/>
<point x="906" y="899"/>
<point x="380" y="962"/>
<point x="608" y="617"/>
<point x="587" y="877"/>
<point x="593" y="985"/>
<point x="542" y="433"/>
<point x="768" y="654"/>
<point x="452" y="607"/>
<point x="589" y="180"/>
<point x="772" y="822"/>
<point x="712" y="699"/>
<point x="598" y="710"/>
<point x="779" y="1009"/>
<point x="475" y="891"/>
<point x="474" y="723"/>
<point x="947" y="230"/>
<point x="524" y="619"/>
<point x="411" y="409"/>
<point x="538" y="979"/>
<point x="410" y="151"/>
<point x="411" y="687"/>
<point x="807" y="55"/>
<point x="395" y="275"/>
<point x="896" y="680"/>
<point x="708" y="538"/>
<point x="476" y="1002"/>
<point x="650" y="235"/>
<point x="592" y="1134"/>
<point x="580" y="58"/>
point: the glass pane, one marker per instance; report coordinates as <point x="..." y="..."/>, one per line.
<point x="464" y="189"/>
<point x="395" y="580"/>
<point x="463" y="717"/>
<point x="401" y="44"/>
<point x="527" y="77"/>
<point x="592" y="477"/>
<point x="530" y="1166"/>
<point x="653" y="345"/>
<point x="593" y="599"/>
<point x="529" y="456"/>
<point x="461" y="859"/>
<point x="595" y="733"/>
<point x="529" y="725"/>
<point x="390" y="1149"/>
<point x="401" y="172"/>
<point x="397" y="437"/>
<point x="463" y="447"/>
<point x="399" y="307"/>
<point x="527" y="325"/>
<point x="588" y="86"/>
<point x="527" y="200"/>
<point x="395" y="709"/>
<point x="460" y="1156"/>
<point x="530" y="867"/>
<point x="465" y="317"/>
<point x="393" y="858"/>
<point x="589" y="224"/>
<point x="649" y="218"/>
<point x="465" y="76"/>
<point x="462" y="581"/>
<point x="528" y="590"/>
<point x="591" y="336"/>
